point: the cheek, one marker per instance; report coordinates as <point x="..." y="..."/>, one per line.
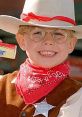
<point x="30" y="48"/>
<point x="28" y="44"/>
<point x="64" y="49"/>
<point x="31" y="45"/>
<point x="65" y="46"/>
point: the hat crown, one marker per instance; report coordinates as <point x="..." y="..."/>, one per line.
<point x="44" y="13"/>
<point x="50" y="8"/>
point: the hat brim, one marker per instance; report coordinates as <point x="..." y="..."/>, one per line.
<point x="11" y="24"/>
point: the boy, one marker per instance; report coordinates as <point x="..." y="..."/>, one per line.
<point x="42" y="86"/>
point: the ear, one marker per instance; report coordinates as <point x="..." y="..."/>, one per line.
<point x="20" y="40"/>
<point x="72" y="44"/>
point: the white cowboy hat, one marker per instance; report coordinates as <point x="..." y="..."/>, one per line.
<point x="45" y="13"/>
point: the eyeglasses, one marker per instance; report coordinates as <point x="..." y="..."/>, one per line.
<point x="38" y="34"/>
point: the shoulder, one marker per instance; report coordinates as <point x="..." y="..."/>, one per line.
<point x="72" y="82"/>
<point x="9" y="76"/>
<point x="5" y="80"/>
<point x="73" y="105"/>
<point x="10" y="102"/>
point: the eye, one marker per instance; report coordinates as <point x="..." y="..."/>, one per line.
<point x="57" y="33"/>
<point x="37" y="33"/>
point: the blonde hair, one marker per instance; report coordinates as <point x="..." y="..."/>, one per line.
<point x="23" y="29"/>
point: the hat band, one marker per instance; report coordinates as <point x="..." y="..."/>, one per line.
<point x="29" y="16"/>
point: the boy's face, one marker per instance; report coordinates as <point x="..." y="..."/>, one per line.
<point x="46" y="47"/>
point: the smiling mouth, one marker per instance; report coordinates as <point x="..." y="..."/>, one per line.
<point x="47" y="53"/>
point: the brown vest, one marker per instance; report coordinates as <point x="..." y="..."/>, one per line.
<point x="12" y="105"/>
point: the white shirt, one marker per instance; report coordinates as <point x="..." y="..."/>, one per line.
<point x="73" y="106"/>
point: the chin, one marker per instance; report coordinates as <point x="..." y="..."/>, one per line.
<point x="47" y="65"/>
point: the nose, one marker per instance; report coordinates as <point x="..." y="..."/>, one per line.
<point x="48" y="39"/>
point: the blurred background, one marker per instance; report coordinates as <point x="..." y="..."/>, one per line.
<point x="14" y="8"/>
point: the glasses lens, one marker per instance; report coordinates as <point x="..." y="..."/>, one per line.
<point x="37" y="34"/>
<point x="59" y="37"/>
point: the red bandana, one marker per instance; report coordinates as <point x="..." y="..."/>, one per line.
<point x="33" y="82"/>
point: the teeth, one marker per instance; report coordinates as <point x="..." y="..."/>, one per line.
<point x="47" y="53"/>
